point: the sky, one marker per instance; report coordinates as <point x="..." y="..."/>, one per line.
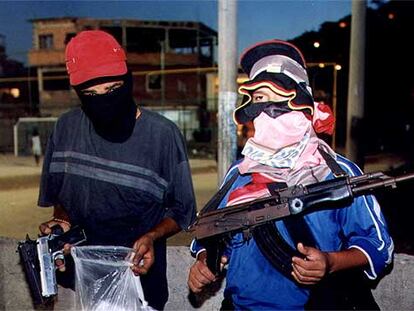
<point x="257" y="20"/>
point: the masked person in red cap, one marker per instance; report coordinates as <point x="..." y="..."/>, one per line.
<point x="317" y="260"/>
<point x="118" y="171"/>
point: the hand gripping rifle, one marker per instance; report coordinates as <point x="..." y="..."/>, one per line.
<point x="212" y="228"/>
<point x="38" y="258"/>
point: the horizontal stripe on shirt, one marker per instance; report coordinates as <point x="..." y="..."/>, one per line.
<point x="106" y="173"/>
<point x="110" y="163"/>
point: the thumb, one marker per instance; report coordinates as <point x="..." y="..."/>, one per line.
<point x="304" y="249"/>
<point x="223" y="262"/>
<point x="60" y="265"/>
<point x="44" y="229"/>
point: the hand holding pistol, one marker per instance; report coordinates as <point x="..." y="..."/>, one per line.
<point x="39" y="258"/>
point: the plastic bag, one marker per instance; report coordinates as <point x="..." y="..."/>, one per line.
<point x="105" y="281"/>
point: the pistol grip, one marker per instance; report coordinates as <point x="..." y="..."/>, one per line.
<point x="57" y="230"/>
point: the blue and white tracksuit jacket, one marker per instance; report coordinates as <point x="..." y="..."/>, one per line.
<point x="254" y="283"/>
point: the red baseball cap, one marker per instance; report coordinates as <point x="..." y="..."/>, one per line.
<point x="94" y="54"/>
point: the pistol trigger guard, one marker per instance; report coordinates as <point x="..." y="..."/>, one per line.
<point x="58" y="256"/>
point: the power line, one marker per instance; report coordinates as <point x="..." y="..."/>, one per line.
<point x="134" y="73"/>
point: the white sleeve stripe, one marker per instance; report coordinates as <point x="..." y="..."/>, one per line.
<point x="349" y="169"/>
<point x="193" y="250"/>
<point x="371" y="265"/>
<point x="199" y="252"/>
<point x="367" y="274"/>
<point x="390" y="252"/>
<point x="377" y="209"/>
<point x="228" y="173"/>
<point x="376" y="225"/>
<point x="192" y="246"/>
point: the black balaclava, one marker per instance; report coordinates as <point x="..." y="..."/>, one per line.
<point x="113" y="115"/>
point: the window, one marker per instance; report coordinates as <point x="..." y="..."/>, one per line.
<point x="69" y="36"/>
<point x="153" y="82"/>
<point x="55" y="81"/>
<point x="115" y="31"/>
<point x="144" y="39"/>
<point x="46" y="42"/>
<point x="183" y="41"/>
<point x="181" y="86"/>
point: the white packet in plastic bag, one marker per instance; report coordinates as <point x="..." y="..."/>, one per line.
<point x="105" y="281"/>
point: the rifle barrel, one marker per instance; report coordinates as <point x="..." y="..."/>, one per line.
<point x="382" y="183"/>
<point x="404" y="177"/>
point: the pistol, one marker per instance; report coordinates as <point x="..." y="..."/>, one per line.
<point x="38" y="258"/>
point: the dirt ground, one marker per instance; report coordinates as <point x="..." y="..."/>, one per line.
<point x="19" y="187"/>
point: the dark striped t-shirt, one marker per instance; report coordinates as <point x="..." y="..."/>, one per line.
<point x="118" y="191"/>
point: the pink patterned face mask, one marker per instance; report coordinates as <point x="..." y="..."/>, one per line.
<point x="279" y="142"/>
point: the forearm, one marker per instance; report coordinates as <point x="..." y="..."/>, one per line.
<point x="144" y="246"/>
<point x="59" y="212"/>
<point x="60" y="217"/>
<point x="166" y="228"/>
<point x="346" y="259"/>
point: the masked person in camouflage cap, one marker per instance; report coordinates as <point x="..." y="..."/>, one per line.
<point x="287" y="264"/>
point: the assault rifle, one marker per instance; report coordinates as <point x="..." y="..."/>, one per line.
<point x="38" y="258"/>
<point x="212" y="228"/>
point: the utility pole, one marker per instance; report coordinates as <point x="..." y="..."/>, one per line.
<point x="356" y="95"/>
<point x="162" y="74"/>
<point x="334" y="101"/>
<point x="227" y="72"/>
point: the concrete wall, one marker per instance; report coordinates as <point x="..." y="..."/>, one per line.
<point x="394" y="292"/>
